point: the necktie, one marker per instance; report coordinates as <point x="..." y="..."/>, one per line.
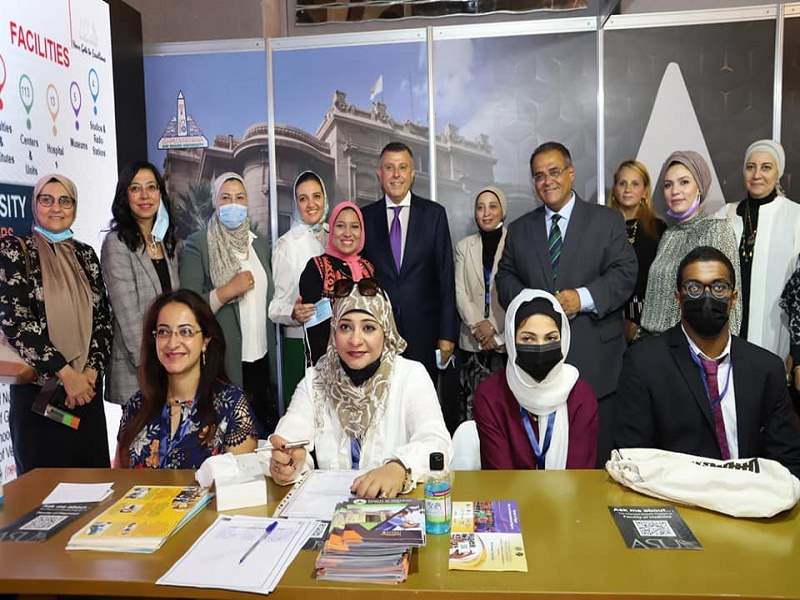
<point x="710" y="368"/>
<point x="396" y="237"/>
<point x="554" y="243"/>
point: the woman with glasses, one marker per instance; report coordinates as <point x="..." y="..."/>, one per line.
<point x="767" y="225"/>
<point x="227" y="263"/>
<point x="536" y="413"/>
<point x="54" y="311"/>
<point x="693" y="219"/>
<point x="186" y="409"/>
<point x="139" y="263"/>
<point x="305" y="240"/>
<point x="341" y="260"/>
<point x="631" y="196"/>
<point x="363" y="406"/>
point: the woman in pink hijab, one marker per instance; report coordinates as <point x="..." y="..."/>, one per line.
<point x="341" y="260"/>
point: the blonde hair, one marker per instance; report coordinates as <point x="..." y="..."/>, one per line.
<point x="644" y="214"/>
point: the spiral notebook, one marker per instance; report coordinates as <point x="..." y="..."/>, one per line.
<point x="316" y="495"/>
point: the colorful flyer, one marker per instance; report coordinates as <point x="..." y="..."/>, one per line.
<point x="486" y="536"/>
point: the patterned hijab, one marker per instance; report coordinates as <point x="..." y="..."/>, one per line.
<point x="225" y="246"/>
<point x="358" y="406"/>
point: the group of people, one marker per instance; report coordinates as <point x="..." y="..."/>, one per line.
<point x="372" y="303"/>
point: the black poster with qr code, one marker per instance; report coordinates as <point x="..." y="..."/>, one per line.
<point x="654" y="528"/>
<point x="43" y="522"/>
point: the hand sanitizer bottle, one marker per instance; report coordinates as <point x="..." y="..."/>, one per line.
<point x="438" y="496"/>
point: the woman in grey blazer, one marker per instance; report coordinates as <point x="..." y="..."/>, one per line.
<point x="476" y="257"/>
<point x="139" y="263"/>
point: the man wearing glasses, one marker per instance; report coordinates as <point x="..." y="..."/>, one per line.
<point x="699" y="390"/>
<point x="579" y="252"/>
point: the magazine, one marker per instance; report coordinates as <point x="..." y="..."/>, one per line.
<point x="142" y="520"/>
<point x="486" y="536"/>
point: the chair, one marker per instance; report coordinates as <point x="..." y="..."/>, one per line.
<point x="466" y="448"/>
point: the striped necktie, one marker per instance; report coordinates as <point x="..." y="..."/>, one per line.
<point x="554" y="243"/>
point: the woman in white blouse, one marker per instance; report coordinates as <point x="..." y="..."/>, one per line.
<point x="293" y="250"/>
<point x="363" y="406"/>
<point x="227" y="263"/>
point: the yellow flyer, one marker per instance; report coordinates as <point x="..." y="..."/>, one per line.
<point x="486" y="536"/>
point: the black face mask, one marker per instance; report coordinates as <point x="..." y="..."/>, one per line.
<point x="706" y="315"/>
<point x="537" y="360"/>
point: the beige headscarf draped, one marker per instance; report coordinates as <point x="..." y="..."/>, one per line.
<point x="358" y="406"/>
<point x="225" y="246"/>
<point x="67" y="292"/>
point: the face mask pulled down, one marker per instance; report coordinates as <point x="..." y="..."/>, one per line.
<point x="706" y="315"/>
<point x="537" y="360"/>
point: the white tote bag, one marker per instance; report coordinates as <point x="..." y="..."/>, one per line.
<point x="748" y="487"/>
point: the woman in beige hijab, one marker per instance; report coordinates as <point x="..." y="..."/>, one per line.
<point x="55" y="312"/>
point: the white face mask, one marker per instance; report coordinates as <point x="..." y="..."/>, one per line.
<point x="232" y="215"/>
<point x="162" y="222"/>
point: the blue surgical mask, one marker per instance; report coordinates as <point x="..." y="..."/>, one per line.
<point x="232" y="215"/>
<point x="162" y="222"/>
<point x="53" y="237"/>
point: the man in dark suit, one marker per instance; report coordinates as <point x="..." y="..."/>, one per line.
<point x="579" y="252"/>
<point x="408" y="242"/>
<point x="699" y="390"/>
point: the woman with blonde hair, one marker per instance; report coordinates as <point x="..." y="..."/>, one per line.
<point x="632" y="196"/>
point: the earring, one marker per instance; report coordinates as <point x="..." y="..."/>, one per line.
<point x="203" y="357"/>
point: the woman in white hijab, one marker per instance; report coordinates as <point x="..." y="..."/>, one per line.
<point x="228" y="265"/>
<point x="537" y="413"/>
<point x="305" y="240"/>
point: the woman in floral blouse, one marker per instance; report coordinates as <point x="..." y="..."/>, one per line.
<point x="54" y="311"/>
<point x="186" y="409"/>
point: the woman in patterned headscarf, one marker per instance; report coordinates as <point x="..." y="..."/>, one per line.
<point x="363" y="406"/>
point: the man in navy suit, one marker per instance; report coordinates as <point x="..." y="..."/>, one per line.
<point x="699" y="390"/>
<point x="408" y="242"/>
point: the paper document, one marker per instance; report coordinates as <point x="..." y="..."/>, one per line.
<point x="78" y="493"/>
<point x="213" y="560"/>
<point x="317" y="494"/>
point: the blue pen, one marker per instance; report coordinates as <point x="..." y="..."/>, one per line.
<point x="269" y="529"/>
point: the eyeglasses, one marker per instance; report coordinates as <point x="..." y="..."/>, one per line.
<point x="185" y="332"/>
<point x="553" y="173"/>
<point x="137" y="190"/>
<point x="720" y="288"/>
<point x="47" y="201"/>
<point x="366" y="287"/>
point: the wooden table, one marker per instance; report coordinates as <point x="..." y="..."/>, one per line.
<point x="574" y="549"/>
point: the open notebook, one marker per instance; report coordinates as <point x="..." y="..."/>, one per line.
<point x="316" y="495"/>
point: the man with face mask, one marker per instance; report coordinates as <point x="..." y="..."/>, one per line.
<point x="699" y="390"/>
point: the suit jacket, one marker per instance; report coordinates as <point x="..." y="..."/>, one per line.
<point x="596" y="255"/>
<point x="661" y="402"/>
<point x="470" y="289"/>
<point x="195" y="275"/>
<point x="423" y="292"/>
<point x="132" y="284"/>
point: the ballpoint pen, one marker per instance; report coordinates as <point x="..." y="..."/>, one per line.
<point x="269" y="529"/>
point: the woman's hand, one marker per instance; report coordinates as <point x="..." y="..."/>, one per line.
<point x="302" y="312"/>
<point x="631" y="330"/>
<point x="285" y="464"/>
<point x="381" y="482"/>
<point x="79" y="389"/>
<point x="237" y="286"/>
<point x="490" y="344"/>
<point x="483" y="332"/>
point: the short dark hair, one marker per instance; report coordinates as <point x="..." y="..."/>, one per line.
<point x="396" y="147"/>
<point x="549" y="147"/>
<point x="705" y="254"/>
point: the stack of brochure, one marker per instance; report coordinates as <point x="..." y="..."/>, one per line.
<point x="372" y="540"/>
<point x="486" y="536"/>
<point x="142" y="520"/>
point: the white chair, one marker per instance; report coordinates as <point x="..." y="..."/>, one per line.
<point x="466" y="448"/>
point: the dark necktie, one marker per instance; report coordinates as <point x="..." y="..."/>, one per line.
<point x="710" y="367"/>
<point x="396" y="237"/>
<point x="554" y="243"/>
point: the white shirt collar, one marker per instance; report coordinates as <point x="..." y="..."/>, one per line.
<point x="696" y="349"/>
<point x="566" y="211"/>
<point x="406" y="201"/>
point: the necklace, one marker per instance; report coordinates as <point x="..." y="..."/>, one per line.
<point x="632" y="229"/>
<point x="153" y="249"/>
<point x="749" y="237"/>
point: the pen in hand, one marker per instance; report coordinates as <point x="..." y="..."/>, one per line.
<point x="269" y="529"/>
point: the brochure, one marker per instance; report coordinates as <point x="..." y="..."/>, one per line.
<point x="43" y="522"/>
<point x="486" y="536"/>
<point x="654" y="528"/>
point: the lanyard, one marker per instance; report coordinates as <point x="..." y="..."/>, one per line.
<point x="167" y="445"/>
<point x="487" y="291"/>
<point x="538" y="452"/>
<point x="724" y="391"/>
<point x="355" y="452"/>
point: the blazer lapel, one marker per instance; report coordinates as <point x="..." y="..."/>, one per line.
<point x="383" y="235"/>
<point x="539" y="235"/>
<point x="572" y="239"/>
<point x="690" y="372"/>
<point x="147" y="267"/>
<point x="747" y="397"/>
<point x="409" y="247"/>
<point x="475" y="257"/>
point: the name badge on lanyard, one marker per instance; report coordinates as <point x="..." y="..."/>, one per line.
<point x="539" y="452"/>
<point x="355" y="452"/>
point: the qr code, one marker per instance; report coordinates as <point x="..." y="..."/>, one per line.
<point x="654" y="528"/>
<point x="43" y="522"/>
